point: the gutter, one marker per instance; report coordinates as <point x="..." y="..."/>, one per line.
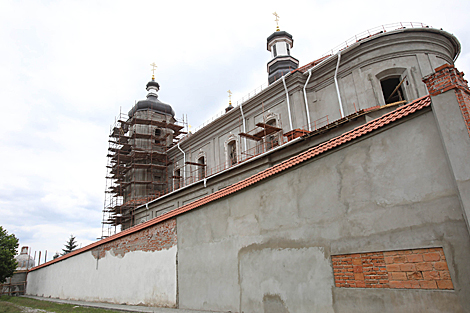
<point x="306" y="102"/>
<point x="337" y="87"/>
<point x="288" y="103"/>
<point x="184" y="162"/>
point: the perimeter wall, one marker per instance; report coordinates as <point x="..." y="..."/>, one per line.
<point x="137" y="269"/>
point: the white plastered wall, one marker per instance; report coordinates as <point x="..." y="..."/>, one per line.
<point x="147" y="278"/>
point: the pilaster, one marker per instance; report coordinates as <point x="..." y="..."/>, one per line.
<point x="450" y="101"/>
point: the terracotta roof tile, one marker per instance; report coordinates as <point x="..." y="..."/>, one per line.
<point x="359" y="131"/>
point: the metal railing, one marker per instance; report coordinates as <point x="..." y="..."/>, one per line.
<point x="13" y="289"/>
<point x="372" y="32"/>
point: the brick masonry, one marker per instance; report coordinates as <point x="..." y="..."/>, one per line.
<point x="404" y="269"/>
<point x="155" y="238"/>
<point x="445" y="78"/>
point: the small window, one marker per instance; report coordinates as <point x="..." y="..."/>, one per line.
<point x="288" y="49"/>
<point x="177" y="178"/>
<point x="390" y="91"/>
<point x="274" y="50"/>
<point x="158" y="132"/>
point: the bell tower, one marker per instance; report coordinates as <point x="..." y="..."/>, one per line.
<point x="280" y="44"/>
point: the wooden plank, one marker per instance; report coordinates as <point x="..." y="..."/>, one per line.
<point x="266" y="126"/>
<point x="396" y="88"/>
<point x="249" y="136"/>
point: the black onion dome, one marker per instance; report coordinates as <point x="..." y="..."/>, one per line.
<point x="152" y="103"/>
<point x="153" y="83"/>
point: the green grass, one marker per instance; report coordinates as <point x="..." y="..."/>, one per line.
<point x="13" y="305"/>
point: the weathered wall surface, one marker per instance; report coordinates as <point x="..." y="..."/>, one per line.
<point x="268" y="248"/>
<point x="136" y="269"/>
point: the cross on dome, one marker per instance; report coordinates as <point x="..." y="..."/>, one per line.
<point x="153" y="65"/>
<point x="277" y="21"/>
<point x="229" y="96"/>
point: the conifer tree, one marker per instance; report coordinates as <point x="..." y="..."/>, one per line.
<point x="70" y="245"/>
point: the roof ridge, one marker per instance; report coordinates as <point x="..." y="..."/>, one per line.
<point x="359" y="131"/>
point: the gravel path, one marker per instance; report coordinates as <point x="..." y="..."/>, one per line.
<point x="31" y="310"/>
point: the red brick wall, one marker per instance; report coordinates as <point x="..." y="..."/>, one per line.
<point x="155" y="238"/>
<point x="408" y="269"/>
<point x="446" y="78"/>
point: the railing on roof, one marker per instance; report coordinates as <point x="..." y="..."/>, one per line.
<point x="372" y="32"/>
<point x="345" y="44"/>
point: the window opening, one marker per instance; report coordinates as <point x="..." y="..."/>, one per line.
<point x="288" y="49"/>
<point x="158" y="132"/>
<point x="177" y="178"/>
<point x="272" y="140"/>
<point x="202" y="169"/>
<point x="274" y="50"/>
<point x="392" y="89"/>
<point x="232" y="153"/>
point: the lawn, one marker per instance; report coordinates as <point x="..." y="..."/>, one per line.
<point x="20" y="304"/>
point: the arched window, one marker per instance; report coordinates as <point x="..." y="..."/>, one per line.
<point x="393" y="82"/>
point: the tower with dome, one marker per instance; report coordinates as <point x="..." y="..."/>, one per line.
<point x="137" y="158"/>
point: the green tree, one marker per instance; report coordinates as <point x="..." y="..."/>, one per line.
<point x="70" y="245"/>
<point x="8" y="249"/>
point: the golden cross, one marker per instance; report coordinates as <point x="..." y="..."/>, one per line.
<point x="277" y="21"/>
<point x="153" y="65"/>
<point x="229" y="96"/>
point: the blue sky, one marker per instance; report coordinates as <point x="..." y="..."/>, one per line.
<point x="67" y="68"/>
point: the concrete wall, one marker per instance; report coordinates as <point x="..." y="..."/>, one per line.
<point x="136" y="269"/>
<point x="268" y="248"/>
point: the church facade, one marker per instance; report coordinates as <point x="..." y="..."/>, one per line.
<point x="333" y="89"/>
<point x="341" y="187"/>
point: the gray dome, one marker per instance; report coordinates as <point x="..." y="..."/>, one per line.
<point x="24" y="262"/>
<point x="152" y="103"/>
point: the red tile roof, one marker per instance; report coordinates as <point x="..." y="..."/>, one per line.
<point x="359" y="131"/>
<point x="310" y="65"/>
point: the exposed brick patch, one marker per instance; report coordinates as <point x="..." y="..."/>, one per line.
<point x="364" y="270"/>
<point x="445" y="78"/>
<point x="405" y="269"/>
<point x="155" y="238"/>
